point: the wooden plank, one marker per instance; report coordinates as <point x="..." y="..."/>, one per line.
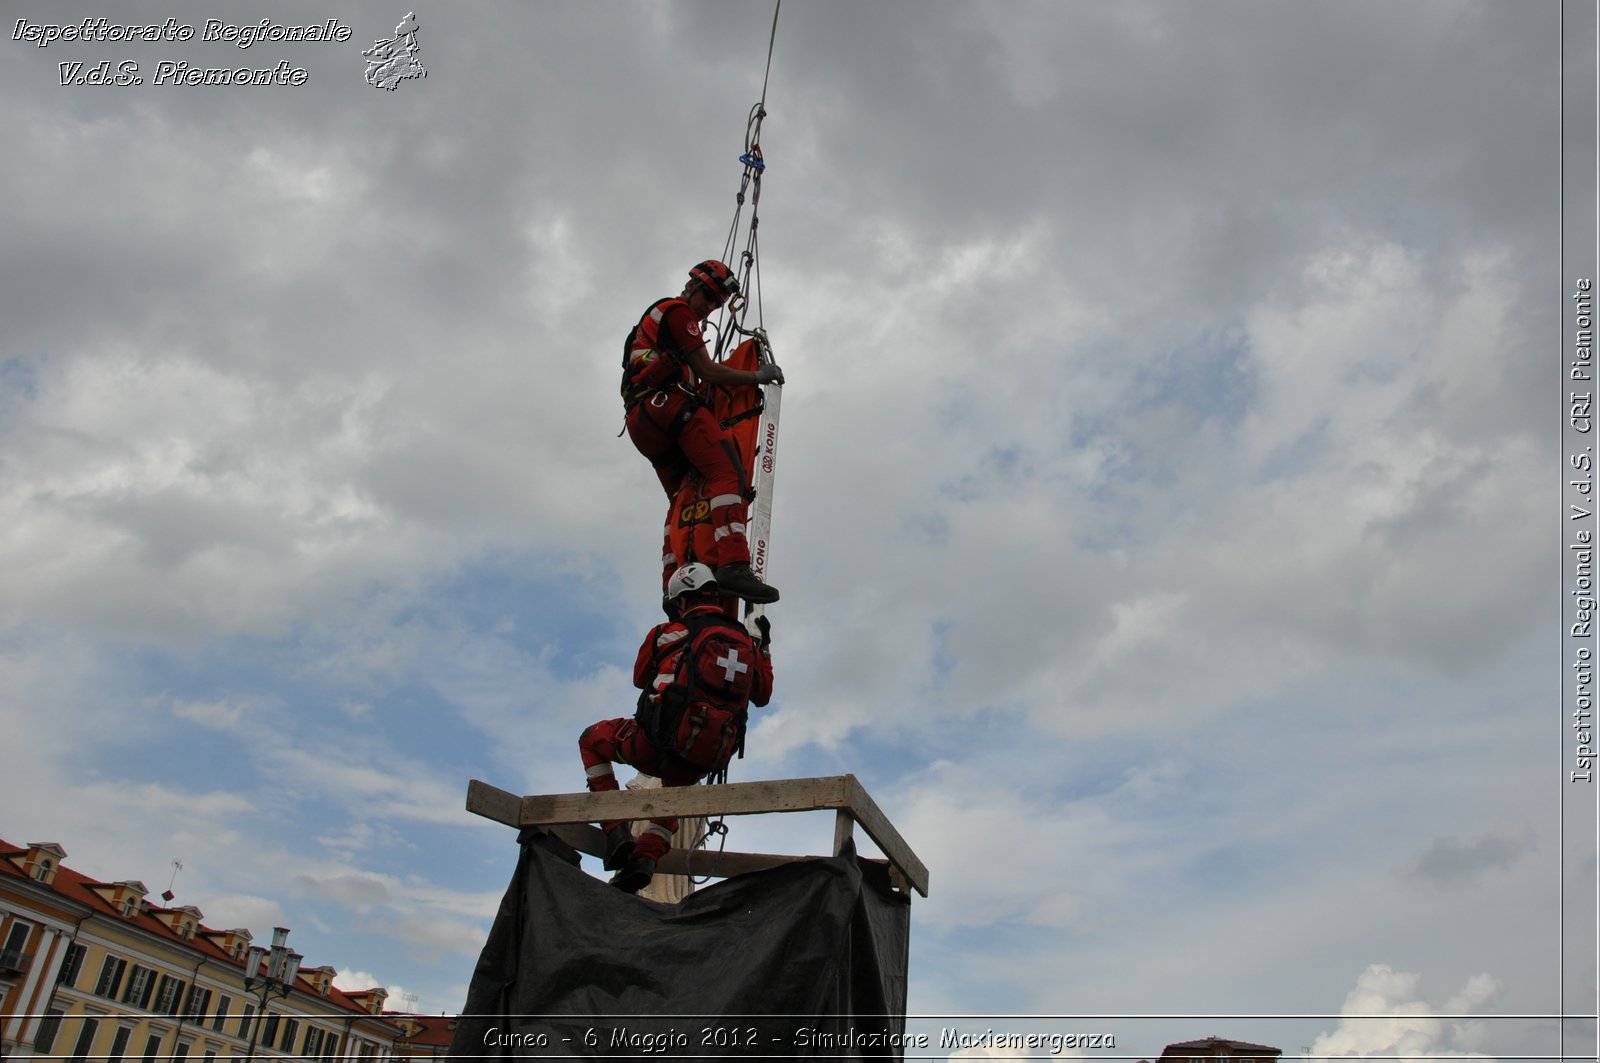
<point x="703" y="863"/>
<point x="880" y="830"/>
<point x="843" y="821"/>
<point x="673" y="802"/>
<point x="491" y="802"/>
<point x="842" y="793"/>
<point x="700" y="863"/>
<point x="582" y="837"/>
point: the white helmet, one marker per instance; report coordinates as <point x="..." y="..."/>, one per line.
<point x="690" y="578"/>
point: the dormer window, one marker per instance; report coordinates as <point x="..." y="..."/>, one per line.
<point x="125" y="898"/>
<point x="41" y="861"/>
<point x="184" y="922"/>
<point x="320" y="978"/>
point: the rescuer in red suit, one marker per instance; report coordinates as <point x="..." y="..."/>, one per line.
<point x="665" y="369"/>
<point x="699" y="673"/>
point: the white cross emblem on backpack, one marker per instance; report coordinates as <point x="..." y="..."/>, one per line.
<point x="732" y="665"/>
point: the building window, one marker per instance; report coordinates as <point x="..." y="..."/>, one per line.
<point x="169" y="994"/>
<point x="152" y="1048"/>
<point x="199" y="1001"/>
<point x="224" y="1005"/>
<point x="245" y="1016"/>
<point x="119" y="1044"/>
<point x="313" y="1046"/>
<point x="16" y="941"/>
<point x="330" y="1047"/>
<point x="269" y="1030"/>
<point x="210" y="1056"/>
<point x="86" y="1033"/>
<point x="110" y="977"/>
<point x="42" y="872"/>
<point x="49" y="1026"/>
<point x="291" y="1030"/>
<point x="71" y="964"/>
<point x="181" y="1052"/>
<point x="141" y="981"/>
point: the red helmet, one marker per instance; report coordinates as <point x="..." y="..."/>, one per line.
<point x="716" y="278"/>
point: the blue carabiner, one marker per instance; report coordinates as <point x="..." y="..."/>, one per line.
<point x="752" y="159"/>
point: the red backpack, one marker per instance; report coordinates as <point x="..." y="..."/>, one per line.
<point x="646" y="367"/>
<point x="699" y="716"/>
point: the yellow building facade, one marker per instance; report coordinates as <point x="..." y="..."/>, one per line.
<point x="93" y="970"/>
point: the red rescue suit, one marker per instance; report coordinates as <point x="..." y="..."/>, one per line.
<point x="699" y="675"/>
<point x="670" y="424"/>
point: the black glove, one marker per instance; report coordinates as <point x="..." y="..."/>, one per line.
<point x="769" y="374"/>
<point x="764" y="626"/>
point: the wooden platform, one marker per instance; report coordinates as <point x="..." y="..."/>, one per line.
<point x="571" y="817"/>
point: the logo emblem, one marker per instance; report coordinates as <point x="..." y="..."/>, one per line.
<point x="390" y="62"/>
<point x="731" y="665"/>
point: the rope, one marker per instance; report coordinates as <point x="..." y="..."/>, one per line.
<point x="770" y="40"/>
<point x="748" y="269"/>
<point x="715" y="826"/>
<point x="748" y="273"/>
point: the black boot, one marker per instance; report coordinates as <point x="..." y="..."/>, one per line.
<point x="619" y="846"/>
<point x="737" y="579"/>
<point x="636" y="876"/>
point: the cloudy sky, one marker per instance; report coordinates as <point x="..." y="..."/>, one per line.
<point x="1167" y="523"/>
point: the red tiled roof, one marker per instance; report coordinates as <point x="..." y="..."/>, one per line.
<point x="436" y="1029"/>
<point x="86" y="891"/>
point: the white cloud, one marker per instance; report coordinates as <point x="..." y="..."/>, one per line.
<point x="229" y="911"/>
<point x="1385" y="1017"/>
<point x="426" y="935"/>
<point x="354" y="981"/>
<point x="219" y="716"/>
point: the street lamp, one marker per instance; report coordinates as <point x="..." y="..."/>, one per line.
<point x="283" y="966"/>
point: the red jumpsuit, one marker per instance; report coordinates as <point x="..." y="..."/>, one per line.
<point x="721" y="665"/>
<point x="671" y="425"/>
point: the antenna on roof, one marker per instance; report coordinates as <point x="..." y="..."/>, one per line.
<point x="167" y="895"/>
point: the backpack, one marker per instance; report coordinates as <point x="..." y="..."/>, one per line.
<point x="648" y="368"/>
<point x="699" y="716"/>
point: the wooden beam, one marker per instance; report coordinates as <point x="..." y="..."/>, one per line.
<point x="671" y="802"/>
<point x="880" y="830"/>
<point x="700" y="863"/>
<point x="843" y="821"/>
<point x="842" y="793"/>
<point x="491" y="802"/>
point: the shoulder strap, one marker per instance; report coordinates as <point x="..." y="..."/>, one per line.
<point x="659" y="310"/>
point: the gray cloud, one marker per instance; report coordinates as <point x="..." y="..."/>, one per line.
<point x="1452" y="862"/>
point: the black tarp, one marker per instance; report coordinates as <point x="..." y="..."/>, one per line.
<point x="807" y="959"/>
